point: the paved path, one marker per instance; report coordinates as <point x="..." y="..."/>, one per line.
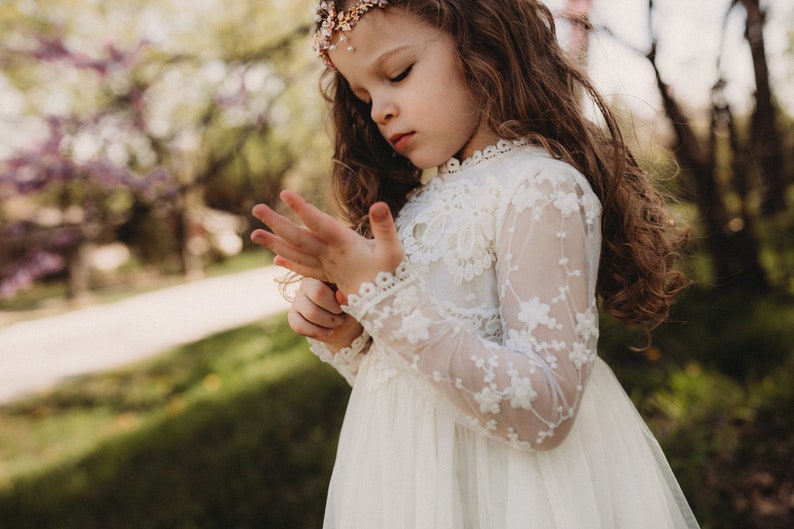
<point x="36" y="355"/>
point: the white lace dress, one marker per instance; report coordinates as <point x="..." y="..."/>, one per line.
<point x="478" y="400"/>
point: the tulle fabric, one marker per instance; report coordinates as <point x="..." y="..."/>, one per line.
<point x="404" y="462"/>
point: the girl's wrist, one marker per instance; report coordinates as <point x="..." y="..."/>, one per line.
<point x="354" y="287"/>
<point x="352" y="349"/>
<point x="343" y="338"/>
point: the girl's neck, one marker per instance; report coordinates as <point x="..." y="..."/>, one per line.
<point x="479" y="140"/>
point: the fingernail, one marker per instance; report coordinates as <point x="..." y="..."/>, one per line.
<point x="378" y="214"/>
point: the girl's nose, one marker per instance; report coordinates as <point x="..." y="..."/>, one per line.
<point x="383" y="111"/>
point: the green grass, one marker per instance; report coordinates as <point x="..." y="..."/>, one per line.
<point x="238" y="430"/>
<point x="717" y="388"/>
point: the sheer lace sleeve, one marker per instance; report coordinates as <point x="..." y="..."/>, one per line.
<point x="346" y="360"/>
<point x="525" y="389"/>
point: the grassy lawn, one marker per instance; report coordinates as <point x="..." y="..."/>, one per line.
<point x="239" y="430"/>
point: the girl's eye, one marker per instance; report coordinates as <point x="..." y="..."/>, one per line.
<point x="402" y="75"/>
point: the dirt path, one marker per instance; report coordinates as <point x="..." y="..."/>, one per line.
<point x="36" y="355"/>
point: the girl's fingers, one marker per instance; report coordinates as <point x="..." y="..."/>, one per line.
<point x="304" y="327"/>
<point x="314" y="311"/>
<point x="324" y="226"/>
<point x="321" y="294"/>
<point x="314" y="272"/>
<point x="297" y="239"/>
<point x="280" y="247"/>
<point x="316" y="314"/>
<point x="341" y="298"/>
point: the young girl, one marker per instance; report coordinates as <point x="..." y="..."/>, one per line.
<point x="468" y="326"/>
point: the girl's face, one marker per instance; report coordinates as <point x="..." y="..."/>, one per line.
<point x="408" y="72"/>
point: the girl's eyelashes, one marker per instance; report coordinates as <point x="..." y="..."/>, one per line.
<point x="364" y="98"/>
<point x="402" y="75"/>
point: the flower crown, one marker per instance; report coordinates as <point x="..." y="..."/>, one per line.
<point x="330" y="22"/>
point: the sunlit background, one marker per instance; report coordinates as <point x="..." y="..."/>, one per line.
<point x="147" y="375"/>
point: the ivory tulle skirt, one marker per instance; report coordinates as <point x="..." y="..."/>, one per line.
<point x="404" y="463"/>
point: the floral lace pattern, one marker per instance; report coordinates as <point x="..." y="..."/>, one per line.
<point x="347" y="359"/>
<point x="490" y="152"/>
<point x="459" y="232"/>
<point x="494" y="307"/>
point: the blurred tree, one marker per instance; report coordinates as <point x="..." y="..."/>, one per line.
<point x="766" y="141"/>
<point x="730" y="204"/>
<point x="731" y="230"/>
<point x="180" y="107"/>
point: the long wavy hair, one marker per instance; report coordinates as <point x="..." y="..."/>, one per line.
<point x="526" y="88"/>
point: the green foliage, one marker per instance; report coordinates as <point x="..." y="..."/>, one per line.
<point x="730" y="445"/>
<point x="717" y="388"/>
<point x="736" y="332"/>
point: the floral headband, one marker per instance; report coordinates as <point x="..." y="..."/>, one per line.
<point x="330" y="22"/>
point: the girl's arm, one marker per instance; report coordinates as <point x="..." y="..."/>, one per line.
<point x="527" y="388"/>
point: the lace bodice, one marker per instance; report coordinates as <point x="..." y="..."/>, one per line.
<point x="494" y="307"/>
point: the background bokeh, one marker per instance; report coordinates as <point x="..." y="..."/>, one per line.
<point x="135" y="136"/>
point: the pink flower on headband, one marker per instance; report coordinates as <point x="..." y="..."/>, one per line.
<point x="330" y="22"/>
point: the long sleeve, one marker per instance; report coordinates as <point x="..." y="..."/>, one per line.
<point x="524" y="383"/>
<point x="347" y="360"/>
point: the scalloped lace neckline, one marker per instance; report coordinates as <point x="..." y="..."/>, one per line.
<point x="453" y="165"/>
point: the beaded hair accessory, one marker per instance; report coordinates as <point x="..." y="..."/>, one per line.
<point x="330" y="22"/>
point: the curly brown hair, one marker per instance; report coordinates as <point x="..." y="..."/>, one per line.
<point x="527" y="89"/>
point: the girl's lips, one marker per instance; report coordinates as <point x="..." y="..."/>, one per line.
<point x="399" y="141"/>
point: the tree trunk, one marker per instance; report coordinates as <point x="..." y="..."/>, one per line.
<point x="190" y="234"/>
<point x="734" y="252"/>
<point x="79" y="273"/>
<point x="766" y="141"/>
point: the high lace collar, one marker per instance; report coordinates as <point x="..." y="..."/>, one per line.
<point x="453" y="165"/>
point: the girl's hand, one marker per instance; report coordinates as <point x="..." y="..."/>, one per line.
<point x="316" y="313"/>
<point x="327" y="250"/>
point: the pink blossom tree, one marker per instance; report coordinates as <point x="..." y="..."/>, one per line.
<point x="148" y="130"/>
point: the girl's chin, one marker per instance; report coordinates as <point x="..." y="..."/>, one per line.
<point x="424" y="163"/>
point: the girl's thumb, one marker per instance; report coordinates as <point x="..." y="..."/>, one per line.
<point x="385" y="232"/>
<point x="380" y="219"/>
